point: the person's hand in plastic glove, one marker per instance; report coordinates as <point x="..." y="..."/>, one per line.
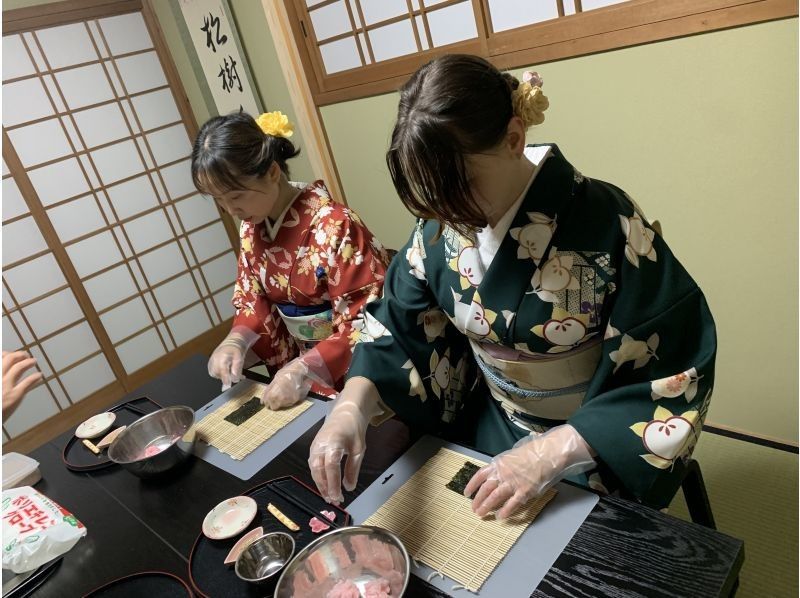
<point x="343" y="433"/>
<point x="227" y="360"/>
<point x="289" y="386"/>
<point x="15" y="364"/>
<point x="535" y="463"/>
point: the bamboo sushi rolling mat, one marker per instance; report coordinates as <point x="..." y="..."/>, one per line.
<point x="239" y="441"/>
<point x="437" y="525"/>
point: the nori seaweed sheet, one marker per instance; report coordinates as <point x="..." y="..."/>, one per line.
<point x="462" y="477"/>
<point x="245" y="412"/>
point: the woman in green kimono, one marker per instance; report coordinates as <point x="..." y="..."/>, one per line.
<point x="596" y="346"/>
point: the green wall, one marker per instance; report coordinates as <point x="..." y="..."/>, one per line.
<point x="702" y="131"/>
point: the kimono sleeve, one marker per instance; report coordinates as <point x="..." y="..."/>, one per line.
<point x="408" y="347"/>
<point x="356" y="275"/>
<point x="645" y="405"/>
<point x="253" y="310"/>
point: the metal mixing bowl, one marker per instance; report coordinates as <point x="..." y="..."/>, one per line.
<point x="156" y="442"/>
<point x="264" y="557"/>
<point x="358" y="555"/>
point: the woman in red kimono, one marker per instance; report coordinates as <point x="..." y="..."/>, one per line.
<point x="307" y="265"/>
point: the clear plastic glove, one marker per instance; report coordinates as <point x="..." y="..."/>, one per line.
<point x="228" y="358"/>
<point x="292" y="383"/>
<point x="288" y="387"/>
<point x="535" y="463"/>
<point x="343" y="433"/>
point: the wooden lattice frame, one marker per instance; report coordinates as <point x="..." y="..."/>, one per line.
<point x="630" y="23"/>
<point x="72" y="11"/>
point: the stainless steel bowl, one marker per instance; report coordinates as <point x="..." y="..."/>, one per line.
<point x="156" y="442"/>
<point x="264" y="557"/>
<point x="357" y="555"/>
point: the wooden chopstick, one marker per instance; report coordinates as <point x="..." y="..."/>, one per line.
<point x="302" y="506"/>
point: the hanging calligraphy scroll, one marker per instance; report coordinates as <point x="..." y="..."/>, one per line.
<point x="210" y="26"/>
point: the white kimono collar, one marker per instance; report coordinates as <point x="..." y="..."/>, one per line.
<point x="272" y="229"/>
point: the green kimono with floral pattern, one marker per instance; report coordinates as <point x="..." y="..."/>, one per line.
<point x="579" y="264"/>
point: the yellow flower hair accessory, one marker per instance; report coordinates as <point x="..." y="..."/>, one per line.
<point x="529" y="100"/>
<point x="276" y="124"/>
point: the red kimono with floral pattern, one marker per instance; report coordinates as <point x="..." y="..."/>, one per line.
<point x="319" y="252"/>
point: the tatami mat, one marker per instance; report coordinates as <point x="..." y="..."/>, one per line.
<point x="753" y="492"/>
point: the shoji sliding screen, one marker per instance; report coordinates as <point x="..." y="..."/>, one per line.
<point x="113" y="265"/>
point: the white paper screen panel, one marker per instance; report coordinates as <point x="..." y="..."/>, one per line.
<point x="156" y="108"/>
<point x="126" y="319"/>
<point x="18" y="324"/>
<point x="94" y="253"/>
<point x="189" y="324"/>
<point x="66" y="45"/>
<point x="331" y="20"/>
<point x="340" y="55"/>
<point x="117" y="162"/>
<point x="25" y="101"/>
<point x="40" y="142"/>
<point x="59" y="181"/>
<point x="392" y="41"/>
<point x="126" y="33"/>
<point x="162" y="263"/>
<point x="70" y="346"/>
<point x="21" y="239"/>
<point x="76" y="218"/>
<point x="13" y="203"/>
<point x="101" y="125"/>
<point x="88" y="377"/>
<point x="34" y="278"/>
<point x="16" y="61"/>
<point x="148" y="231"/>
<point x="593" y="4"/>
<point x="223" y="302"/>
<point x="106" y="151"/>
<point x="84" y="86"/>
<point x="110" y="287"/>
<point x="452" y="24"/>
<point x="176" y="294"/>
<point x="140" y="350"/>
<point x="53" y="313"/>
<point x="170" y="144"/>
<point x="510" y="14"/>
<point x="37" y="407"/>
<point x="133" y="197"/>
<point x="381" y="10"/>
<point x="141" y="72"/>
<point x="178" y="179"/>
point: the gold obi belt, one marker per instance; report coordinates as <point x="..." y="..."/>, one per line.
<point x="542" y="389"/>
<point x="307" y="325"/>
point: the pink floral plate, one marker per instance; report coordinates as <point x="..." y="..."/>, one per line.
<point x="96" y="425"/>
<point x="229" y="517"/>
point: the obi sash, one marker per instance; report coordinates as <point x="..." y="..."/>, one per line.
<point x="307" y="324"/>
<point x="541" y="392"/>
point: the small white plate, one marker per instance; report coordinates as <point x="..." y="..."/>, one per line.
<point x="97" y="425"/>
<point x="229" y="517"/>
<point x="243" y="543"/>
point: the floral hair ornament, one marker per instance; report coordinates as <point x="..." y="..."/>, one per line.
<point x="529" y="100"/>
<point x="276" y="124"/>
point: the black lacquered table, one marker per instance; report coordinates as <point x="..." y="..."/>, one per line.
<point x="622" y="549"/>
